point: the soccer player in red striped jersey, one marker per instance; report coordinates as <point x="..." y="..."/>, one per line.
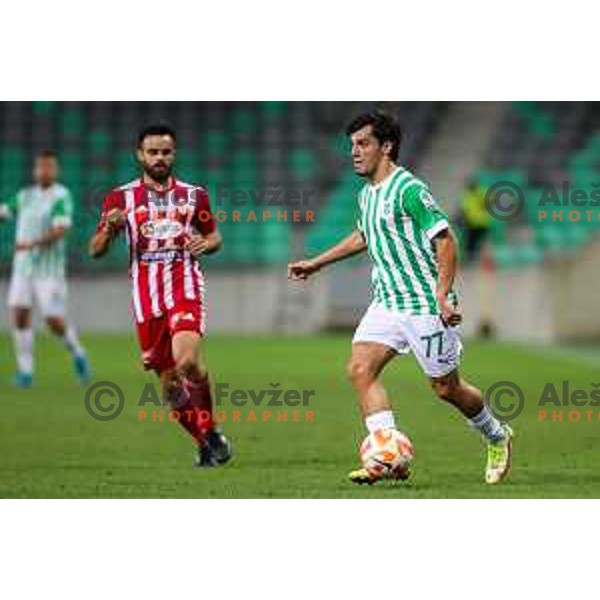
<point x="169" y="226"/>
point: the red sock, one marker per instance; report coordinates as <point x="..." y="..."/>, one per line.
<point x="191" y="417"/>
<point x="200" y="397"/>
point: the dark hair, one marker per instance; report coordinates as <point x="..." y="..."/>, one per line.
<point x="155" y="129"/>
<point x="385" y="128"/>
<point x="47" y="154"/>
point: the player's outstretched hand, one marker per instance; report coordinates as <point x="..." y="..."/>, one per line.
<point x="302" y="270"/>
<point x="115" y="218"/>
<point x="450" y="314"/>
<point x="196" y="244"/>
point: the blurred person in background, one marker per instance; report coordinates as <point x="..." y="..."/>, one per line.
<point x="43" y="214"/>
<point x="474" y="219"/>
<point x="476" y="225"/>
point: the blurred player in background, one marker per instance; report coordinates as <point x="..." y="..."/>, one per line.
<point x="169" y="225"/>
<point x="414" y="308"/>
<point x="43" y="215"/>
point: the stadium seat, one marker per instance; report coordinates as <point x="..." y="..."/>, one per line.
<point x="542" y="143"/>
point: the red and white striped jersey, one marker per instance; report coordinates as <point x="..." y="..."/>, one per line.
<point x="157" y="225"/>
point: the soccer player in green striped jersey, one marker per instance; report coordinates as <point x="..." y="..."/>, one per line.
<point x="414" y="255"/>
<point x="43" y="214"/>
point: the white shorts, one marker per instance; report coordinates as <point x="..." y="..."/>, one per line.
<point x="437" y="348"/>
<point x="50" y="294"/>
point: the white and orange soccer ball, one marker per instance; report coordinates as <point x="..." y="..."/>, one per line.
<point x="387" y="453"/>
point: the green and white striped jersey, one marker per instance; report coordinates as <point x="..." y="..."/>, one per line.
<point x="36" y="211"/>
<point x="398" y="219"/>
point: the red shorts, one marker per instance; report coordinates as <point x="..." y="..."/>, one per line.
<point x="156" y="335"/>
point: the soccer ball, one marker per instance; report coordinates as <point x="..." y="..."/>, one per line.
<point x="387" y="453"/>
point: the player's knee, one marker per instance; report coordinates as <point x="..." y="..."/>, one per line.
<point x="170" y="384"/>
<point x="188" y="365"/>
<point x="185" y="363"/>
<point x="445" y="389"/>
<point x="22" y="318"/>
<point x="359" y="370"/>
<point x="56" y="325"/>
<point x="169" y="377"/>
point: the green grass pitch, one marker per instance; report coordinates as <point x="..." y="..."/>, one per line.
<point x="51" y="447"/>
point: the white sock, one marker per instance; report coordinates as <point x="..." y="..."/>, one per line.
<point x="23" y="343"/>
<point x="380" y="420"/>
<point x="71" y="342"/>
<point x="489" y="427"/>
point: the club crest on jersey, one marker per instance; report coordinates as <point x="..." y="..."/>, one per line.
<point x="427" y="199"/>
<point x="388" y="205"/>
<point x="161" y="229"/>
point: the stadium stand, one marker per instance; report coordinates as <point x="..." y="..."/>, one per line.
<point x="270" y="146"/>
<point x="541" y="144"/>
<point x="228" y="146"/>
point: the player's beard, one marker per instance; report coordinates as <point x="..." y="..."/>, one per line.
<point x="160" y="175"/>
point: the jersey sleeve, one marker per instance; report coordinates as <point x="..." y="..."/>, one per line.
<point x="203" y="219"/>
<point x="420" y="205"/>
<point x="8" y="208"/>
<point x="61" y="214"/>
<point x="114" y="200"/>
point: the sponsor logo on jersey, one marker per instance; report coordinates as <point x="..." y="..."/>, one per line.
<point x="161" y="229"/>
<point x="161" y="256"/>
<point x="387" y="206"/>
